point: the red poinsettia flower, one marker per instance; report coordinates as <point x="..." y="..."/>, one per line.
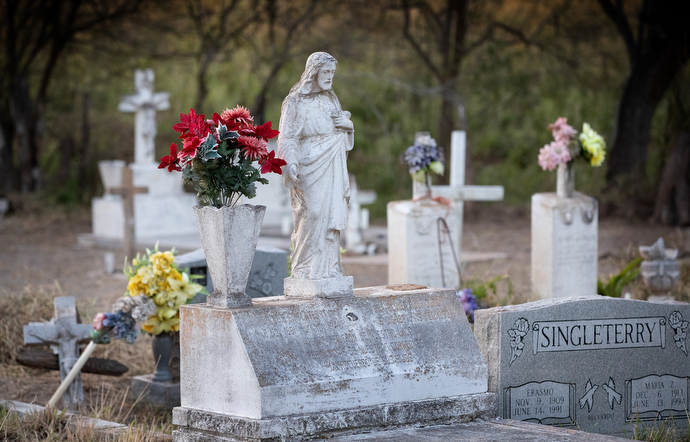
<point x="189" y="147"/>
<point x="192" y="125"/>
<point x="254" y="148"/>
<point x="237" y="117"/>
<point x="170" y="161"/>
<point x="264" y="131"/>
<point x="272" y="164"/>
<point x="185" y="120"/>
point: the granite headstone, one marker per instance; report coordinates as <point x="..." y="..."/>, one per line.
<point x="269" y="269"/>
<point x="595" y="363"/>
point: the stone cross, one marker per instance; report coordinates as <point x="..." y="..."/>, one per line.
<point x="357" y="217"/>
<point x="127" y="191"/>
<point x="144" y="104"/>
<point x="457" y="191"/>
<point x="64" y="336"/>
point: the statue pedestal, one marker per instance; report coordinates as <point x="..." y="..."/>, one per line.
<point x="341" y="287"/>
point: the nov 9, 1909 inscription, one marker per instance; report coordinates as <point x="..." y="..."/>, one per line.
<point x="596" y="363"/>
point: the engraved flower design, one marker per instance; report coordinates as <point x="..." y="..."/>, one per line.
<point x="675" y="320"/>
<point x="517" y="333"/>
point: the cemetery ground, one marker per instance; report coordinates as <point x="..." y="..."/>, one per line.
<point x="41" y="258"/>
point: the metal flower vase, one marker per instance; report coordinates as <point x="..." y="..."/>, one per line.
<point x="565" y="180"/>
<point x="162" y="349"/>
<point x="229" y="236"/>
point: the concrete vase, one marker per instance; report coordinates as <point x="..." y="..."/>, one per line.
<point x="229" y="236"/>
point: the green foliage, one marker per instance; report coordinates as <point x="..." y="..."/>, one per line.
<point x="488" y="289"/>
<point x="616" y="283"/>
<point x="220" y="176"/>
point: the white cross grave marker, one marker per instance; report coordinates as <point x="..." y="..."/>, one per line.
<point x="64" y="336"/>
<point x="144" y="104"/>
<point x="457" y="191"/>
<point x="414" y="231"/>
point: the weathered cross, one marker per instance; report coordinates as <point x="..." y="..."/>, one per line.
<point x="127" y="191"/>
<point x="64" y="336"/>
<point x="457" y="191"/>
<point x="144" y="104"/>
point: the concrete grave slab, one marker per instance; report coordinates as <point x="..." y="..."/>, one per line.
<point x="594" y="363"/>
<point x="304" y="367"/>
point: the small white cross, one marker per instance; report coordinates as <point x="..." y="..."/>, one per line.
<point x="457" y="191"/>
<point x="144" y="104"/>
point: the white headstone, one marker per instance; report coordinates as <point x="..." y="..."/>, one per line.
<point x="276" y="198"/>
<point x="358" y="217"/>
<point x="413" y="228"/>
<point x="564" y="245"/>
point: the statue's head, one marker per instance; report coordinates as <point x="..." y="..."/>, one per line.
<point x="318" y="73"/>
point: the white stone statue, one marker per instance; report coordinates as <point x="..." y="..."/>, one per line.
<point x="315" y="136"/>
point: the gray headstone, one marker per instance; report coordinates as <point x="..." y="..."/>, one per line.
<point x="594" y="363"/>
<point x="195" y="262"/>
<point x="269" y="269"/>
<point x="266" y="276"/>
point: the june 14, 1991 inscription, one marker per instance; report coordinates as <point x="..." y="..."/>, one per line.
<point x="598" y="334"/>
<point x="551" y="403"/>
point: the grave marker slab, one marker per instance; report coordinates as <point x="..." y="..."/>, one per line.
<point x="564" y="245"/>
<point x="595" y="363"/>
<point x="64" y="336"/>
<point x="301" y="368"/>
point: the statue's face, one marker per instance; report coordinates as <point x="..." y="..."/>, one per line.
<point x="325" y="76"/>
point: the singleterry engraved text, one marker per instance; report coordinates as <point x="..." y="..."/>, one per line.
<point x="598" y="334"/>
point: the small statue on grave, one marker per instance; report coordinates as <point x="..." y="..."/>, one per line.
<point x="315" y="136"/>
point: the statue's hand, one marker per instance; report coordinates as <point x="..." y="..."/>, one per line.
<point x="292" y="172"/>
<point x="341" y="121"/>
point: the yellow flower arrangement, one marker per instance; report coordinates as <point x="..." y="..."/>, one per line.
<point x="593" y="144"/>
<point x="156" y="276"/>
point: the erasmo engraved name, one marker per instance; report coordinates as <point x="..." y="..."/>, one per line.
<point x="598" y="334"/>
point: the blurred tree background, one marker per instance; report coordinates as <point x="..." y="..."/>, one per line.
<point x="501" y="69"/>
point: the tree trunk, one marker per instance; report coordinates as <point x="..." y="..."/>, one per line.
<point x="650" y="77"/>
<point x="26" y="116"/>
<point x="673" y="196"/>
<point x="83" y="176"/>
<point x="259" y="106"/>
<point x="202" y="89"/>
<point x="8" y="173"/>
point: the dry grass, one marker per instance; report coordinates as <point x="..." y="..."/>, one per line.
<point x="53" y="425"/>
<point x="105" y="398"/>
